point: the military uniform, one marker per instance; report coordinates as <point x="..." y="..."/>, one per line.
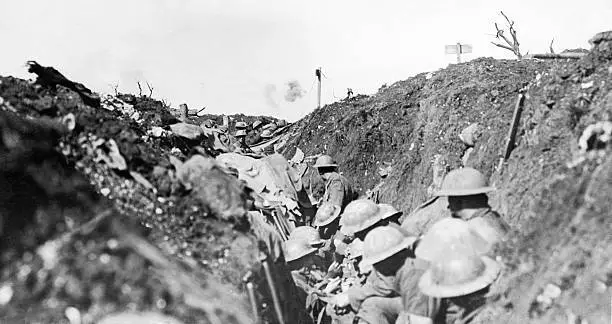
<point x="404" y="284"/>
<point x="489" y="224"/>
<point x="338" y="190"/>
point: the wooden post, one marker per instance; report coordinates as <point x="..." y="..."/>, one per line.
<point x="516" y="118"/>
<point x="318" y="74"/>
<point x="458" y="53"/>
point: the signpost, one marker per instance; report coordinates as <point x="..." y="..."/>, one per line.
<point x="458" y="49"/>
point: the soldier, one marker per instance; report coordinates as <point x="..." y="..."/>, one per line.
<point x="254" y="134"/>
<point x="459" y="282"/>
<point x="391" y="290"/>
<point x="338" y="190"/>
<point x="266" y="135"/>
<point x="363" y="215"/>
<point x="242" y="145"/>
<point x="310" y="235"/>
<point x="327" y="223"/>
<point x="466" y="189"/>
<point x="305" y="269"/>
<point x="450" y="232"/>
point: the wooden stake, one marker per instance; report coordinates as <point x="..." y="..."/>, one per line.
<point x="318" y="73"/>
<point x="518" y="109"/>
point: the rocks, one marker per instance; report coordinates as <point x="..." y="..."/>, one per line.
<point x="216" y="189"/>
<point x="189" y="131"/>
<point x="470" y="134"/>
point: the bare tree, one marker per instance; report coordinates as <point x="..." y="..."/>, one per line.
<point x="513" y="45"/>
<point x="139" y="88"/>
<point x="150" y="90"/>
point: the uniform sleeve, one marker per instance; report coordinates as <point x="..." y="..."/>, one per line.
<point x="414" y="302"/>
<point x="335" y="193"/>
<point x="373" y="287"/>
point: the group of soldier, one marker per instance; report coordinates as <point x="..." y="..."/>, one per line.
<point x="245" y="135"/>
<point x="359" y="262"/>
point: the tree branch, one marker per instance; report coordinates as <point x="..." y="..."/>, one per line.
<point x="150" y="89"/>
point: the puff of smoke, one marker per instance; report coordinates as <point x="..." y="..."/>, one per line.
<point x="294" y="91"/>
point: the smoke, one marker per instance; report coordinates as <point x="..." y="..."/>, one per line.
<point x="269" y="91"/>
<point x="294" y="92"/>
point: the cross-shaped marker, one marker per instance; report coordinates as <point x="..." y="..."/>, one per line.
<point x="458" y="49"/>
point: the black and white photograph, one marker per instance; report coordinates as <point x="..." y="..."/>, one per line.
<point x="311" y="162"/>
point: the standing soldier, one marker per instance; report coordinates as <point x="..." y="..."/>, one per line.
<point x="338" y="190"/>
<point x="466" y="189"/>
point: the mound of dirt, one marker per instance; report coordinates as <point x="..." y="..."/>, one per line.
<point x="551" y="192"/>
<point x="95" y="219"/>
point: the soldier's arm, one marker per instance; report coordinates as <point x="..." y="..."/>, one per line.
<point x="335" y="193"/>
<point x="373" y="287"/>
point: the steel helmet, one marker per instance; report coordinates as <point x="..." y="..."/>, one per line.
<point x="456" y="274"/>
<point x="296" y="249"/>
<point x="451" y="234"/>
<point x="326" y="214"/>
<point x="359" y="215"/>
<point x="240" y="133"/>
<point x="267" y="126"/>
<point x="241" y="125"/>
<point x="325" y="161"/>
<point x="388" y="211"/>
<point x="256" y="124"/>
<point x="308" y="234"/>
<point x="464" y="182"/>
<point x="382" y="243"/>
<point x="266" y="134"/>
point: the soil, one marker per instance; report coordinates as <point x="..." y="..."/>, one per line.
<point x="560" y="213"/>
<point x="160" y="250"/>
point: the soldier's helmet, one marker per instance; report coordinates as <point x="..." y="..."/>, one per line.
<point x="325" y="161"/>
<point x="256" y="124"/>
<point x="296" y="249"/>
<point x="266" y="134"/>
<point x="326" y="214"/>
<point x="464" y="182"/>
<point x="389" y="211"/>
<point x="308" y="234"/>
<point x="451" y="234"/>
<point x="359" y="215"/>
<point x="241" y="125"/>
<point x="240" y="133"/>
<point x="457" y="274"/>
<point x="382" y="243"/>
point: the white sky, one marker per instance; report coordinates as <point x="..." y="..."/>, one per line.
<point x="224" y="54"/>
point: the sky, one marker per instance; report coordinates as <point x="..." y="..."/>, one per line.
<point x="239" y="56"/>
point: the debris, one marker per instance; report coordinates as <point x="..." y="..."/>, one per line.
<point x="69" y="121"/>
<point x="189" y="131"/>
<point x="50" y="77"/>
<point x="157" y="131"/>
<point x="595" y="136"/>
<point x="470" y="134"/>
<point x="586" y="85"/>
<point x="139" y="318"/>
<point x="6" y="294"/>
<point x="108" y="151"/>
<point x="142" y="180"/>
<point x="105" y="192"/>
<point x="73" y="315"/>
